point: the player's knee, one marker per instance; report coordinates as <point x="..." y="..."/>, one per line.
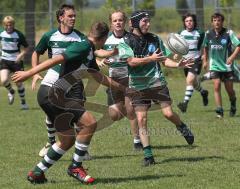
<point x="114" y="114"/>
<point x="67" y="144"/>
<point x="168" y="114"/>
<point x="142" y="120"/>
<point x="4" y="81"/>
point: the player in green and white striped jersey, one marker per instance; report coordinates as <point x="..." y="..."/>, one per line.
<point x="11" y="60"/>
<point x="218" y="51"/>
<point x="55" y="42"/>
<point x="194" y="38"/>
<point x="119" y="104"/>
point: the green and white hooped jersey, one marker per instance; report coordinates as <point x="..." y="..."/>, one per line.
<point x="56" y="43"/>
<point x="194" y="39"/>
<point x="149" y="75"/>
<point x="11" y="44"/>
<point x="117" y="67"/>
<point x="220" y="48"/>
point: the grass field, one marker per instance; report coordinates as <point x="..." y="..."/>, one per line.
<point x="212" y="162"/>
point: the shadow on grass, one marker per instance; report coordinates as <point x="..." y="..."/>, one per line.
<point x="190" y="159"/>
<point x="174" y="147"/>
<point x="118" y="179"/>
<point x="105" y="157"/>
<point x="138" y="178"/>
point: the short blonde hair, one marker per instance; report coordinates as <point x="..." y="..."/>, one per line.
<point x="8" y="19"/>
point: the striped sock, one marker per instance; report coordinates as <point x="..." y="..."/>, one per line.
<point x="53" y="155"/>
<point x="8" y="86"/>
<point x="21" y="92"/>
<point x="78" y="156"/>
<point x="147" y="151"/>
<point x="51" y="131"/>
<point x="188" y="93"/>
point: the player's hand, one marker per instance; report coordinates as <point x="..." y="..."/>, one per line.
<point x="229" y="61"/>
<point x="36" y="77"/>
<point x="20" y="76"/>
<point x="186" y="63"/>
<point x="158" y="56"/>
<point x="175" y="56"/>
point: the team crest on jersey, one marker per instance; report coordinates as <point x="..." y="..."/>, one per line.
<point x="223" y="41"/>
<point x="151" y="48"/>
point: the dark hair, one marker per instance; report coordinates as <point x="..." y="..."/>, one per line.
<point x="99" y="30"/>
<point x="62" y="9"/>
<point x="217" y="15"/>
<point x="118" y="11"/>
<point x="193" y="17"/>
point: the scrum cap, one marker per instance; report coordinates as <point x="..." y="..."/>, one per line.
<point x="137" y="16"/>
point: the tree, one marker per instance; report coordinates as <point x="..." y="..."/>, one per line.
<point x="30" y="28"/>
<point x="148" y="5"/>
<point x="182" y="7"/>
<point x="227" y="8"/>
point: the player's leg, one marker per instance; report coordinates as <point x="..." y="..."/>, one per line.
<point x="181" y="127"/>
<point x="46" y="106"/>
<point x="21" y="92"/>
<point x="188" y="92"/>
<point x="133" y="124"/>
<point x="55" y="152"/>
<point x="218" y="97"/>
<point x="196" y="70"/>
<point x="165" y="101"/>
<point x="5" y="80"/>
<point x="51" y="132"/>
<point x="86" y="127"/>
<point x="232" y="96"/>
<point x="217" y="77"/>
<point x="141" y="113"/>
<point x="117" y="111"/>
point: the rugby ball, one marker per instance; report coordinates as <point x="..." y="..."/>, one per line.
<point x="177" y="44"/>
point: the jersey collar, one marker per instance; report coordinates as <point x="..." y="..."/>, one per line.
<point x="59" y="29"/>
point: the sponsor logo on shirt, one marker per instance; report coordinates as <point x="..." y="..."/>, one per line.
<point x="217" y="47"/>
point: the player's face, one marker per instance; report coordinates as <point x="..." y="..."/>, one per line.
<point x="189" y="24"/>
<point x="144" y="25"/>
<point x="68" y="18"/>
<point x="9" y="27"/>
<point x="217" y="23"/>
<point x="118" y="22"/>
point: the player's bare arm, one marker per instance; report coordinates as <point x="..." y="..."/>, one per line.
<point x="155" y="57"/>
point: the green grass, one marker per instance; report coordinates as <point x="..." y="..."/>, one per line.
<point x="212" y="162"/>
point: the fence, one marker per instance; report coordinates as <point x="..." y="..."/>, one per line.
<point x="165" y="20"/>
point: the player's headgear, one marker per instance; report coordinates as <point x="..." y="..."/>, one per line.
<point x="137" y="16"/>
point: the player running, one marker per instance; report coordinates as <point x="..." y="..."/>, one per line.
<point x="11" y="60"/>
<point x="66" y="108"/>
<point x="55" y="42"/>
<point x="218" y="52"/>
<point x="194" y="37"/>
